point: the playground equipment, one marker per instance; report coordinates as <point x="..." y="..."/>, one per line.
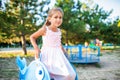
<point x="83" y="54"/>
<point x="36" y="70"/>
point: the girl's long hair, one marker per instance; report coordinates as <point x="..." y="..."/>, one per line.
<point x="50" y="14"/>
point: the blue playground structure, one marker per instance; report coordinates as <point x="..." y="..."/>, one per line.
<point x="83" y="54"/>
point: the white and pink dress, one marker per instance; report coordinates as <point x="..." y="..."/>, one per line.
<point x="53" y="57"/>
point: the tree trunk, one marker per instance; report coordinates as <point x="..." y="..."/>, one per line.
<point x="23" y="40"/>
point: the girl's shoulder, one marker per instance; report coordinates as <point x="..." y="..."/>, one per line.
<point x="42" y="30"/>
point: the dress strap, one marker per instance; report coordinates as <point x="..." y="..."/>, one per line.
<point x="46" y="27"/>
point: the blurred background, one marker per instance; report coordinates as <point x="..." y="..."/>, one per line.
<point x="85" y="22"/>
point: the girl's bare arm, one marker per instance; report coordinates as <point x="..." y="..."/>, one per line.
<point x="33" y="39"/>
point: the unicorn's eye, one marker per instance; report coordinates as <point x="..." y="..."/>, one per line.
<point x="39" y="73"/>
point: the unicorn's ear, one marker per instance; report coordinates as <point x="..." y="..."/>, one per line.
<point x="24" y="61"/>
<point x="20" y="63"/>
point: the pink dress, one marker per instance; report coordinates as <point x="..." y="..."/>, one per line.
<point x="54" y="58"/>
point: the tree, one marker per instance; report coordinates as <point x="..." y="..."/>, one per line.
<point x="23" y="18"/>
<point x="112" y="32"/>
<point x="72" y="26"/>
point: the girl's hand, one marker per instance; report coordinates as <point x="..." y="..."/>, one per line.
<point x="37" y="52"/>
<point x="66" y="54"/>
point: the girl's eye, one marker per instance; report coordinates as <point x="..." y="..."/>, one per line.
<point x="60" y="17"/>
<point x="56" y="17"/>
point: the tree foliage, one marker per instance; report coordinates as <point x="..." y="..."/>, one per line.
<point x="111" y="33"/>
<point x="21" y="18"/>
<point x="71" y="23"/>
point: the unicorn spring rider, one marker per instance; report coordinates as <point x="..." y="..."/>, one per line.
<point x="34" y="71"/>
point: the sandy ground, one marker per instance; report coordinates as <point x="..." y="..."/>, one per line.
<point x="107" y="69"/>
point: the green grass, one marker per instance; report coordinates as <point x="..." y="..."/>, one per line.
<point x="110" y="47"/>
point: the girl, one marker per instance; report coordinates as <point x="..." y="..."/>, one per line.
<point x="52" y="51"/>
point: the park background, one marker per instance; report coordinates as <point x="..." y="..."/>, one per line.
<point x="84" y="21"/>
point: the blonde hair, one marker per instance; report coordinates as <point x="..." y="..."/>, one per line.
<point x="51" y="12"/>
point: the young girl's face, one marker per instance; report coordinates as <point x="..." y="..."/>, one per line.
<point x="56" y="19"/>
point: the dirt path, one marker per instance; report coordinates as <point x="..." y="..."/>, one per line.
<point x="107" y="69"/>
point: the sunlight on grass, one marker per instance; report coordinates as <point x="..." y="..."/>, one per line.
<point x="14" y="54"/>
